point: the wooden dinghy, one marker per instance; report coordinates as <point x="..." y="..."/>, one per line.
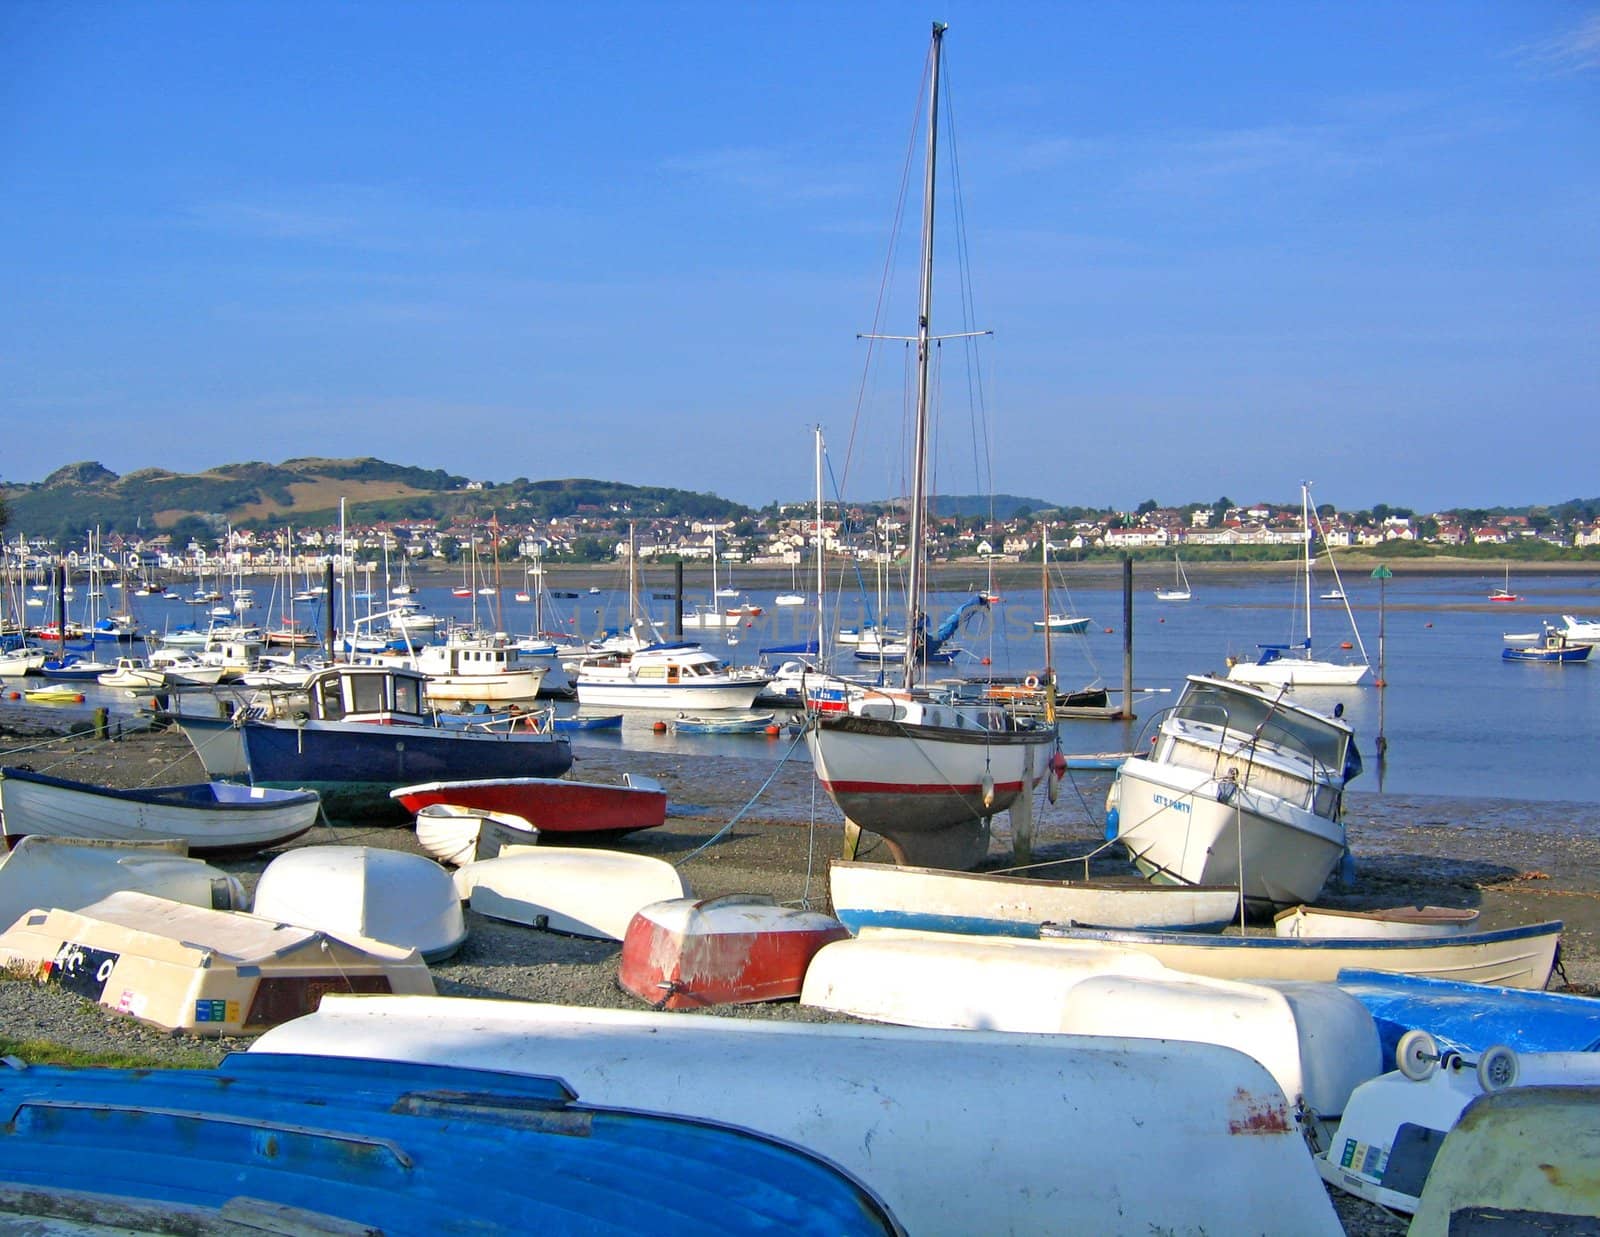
<point x="454" y="835"/>
<point x="576" y="890"/>
<point x="1392" y="923"/>
<point x="1317" y="1042"/>
<point x="372" y="893"/>
<point x="211" y="818"/>
<point x="738" y="949"/>
<point x="255" y="1146"/>
<point x="1512" y="957"/>
<point x="1391" y="1131"/>
<point x="998" y="904"/>
<point x="71" y="873"/>
<point x="944" y="1126"/>
<point x="552" y="804"/>
<point x="207" y="972"/>
<point x="1472" y="1018"/>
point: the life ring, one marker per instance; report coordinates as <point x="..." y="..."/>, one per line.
<point x="1032" y="681"/>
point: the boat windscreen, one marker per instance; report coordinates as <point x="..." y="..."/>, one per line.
<point x="1325" y="743"/>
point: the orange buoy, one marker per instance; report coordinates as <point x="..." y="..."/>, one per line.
<point x="13" y="695"/>
<point x="1347" y="645"/>
<point x="983" y="661"/>
<point x="660" y="728"/>
<point x="78" y="698"/>
<point x="1108" y="631"/>
<point x="774" y="730"/>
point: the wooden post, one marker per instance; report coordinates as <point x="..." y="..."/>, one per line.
<point x="677" y="600"/>
<point x="1022" y="813"/>
<point x="327" y="582"/>
<point x="1127" y="638"/>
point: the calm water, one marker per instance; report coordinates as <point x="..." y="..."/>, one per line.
<point x="1459" y="721"/>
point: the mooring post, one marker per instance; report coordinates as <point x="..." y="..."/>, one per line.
<point x="1127" y="638"/>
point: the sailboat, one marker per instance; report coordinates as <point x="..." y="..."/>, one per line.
<point x="1293" y="664"/>
<point x="925" y="775"/>
<point x="1071" y="624"/>
<point x="1180" y="584"/>
<point x="707" y="614"/>
<point x="1505" y="593"/>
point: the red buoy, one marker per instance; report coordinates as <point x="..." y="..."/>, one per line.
<point x="774" y="730"/>
<point x="660" y="728"/>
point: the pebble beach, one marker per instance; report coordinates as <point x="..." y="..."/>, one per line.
<point x="1515" y="862"/>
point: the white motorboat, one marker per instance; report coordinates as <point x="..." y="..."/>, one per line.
<point x="365" y="892"/>
<point x="944" y="1126"/>
<point x="1294" y="664"/>
<point x="1242" y="788"/>
<point x="133" y="674"/>
<point x="182" y="668"/>
<point x="669" y="675"/>
<point x="1577" y="629"/>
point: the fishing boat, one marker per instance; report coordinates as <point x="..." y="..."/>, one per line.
<point x="71" y="873"/>
<point x="1180" y="590"/>
<point x="1244" y="788"/>
<point x="739" y="949"/>
<point x="588" y="721"/>
<point x="554" y="805"/>
<point x="738" y="723"/>
<point x="926" y="776"/>
<point x="365" y="730"/>
<point x="1317" y="1042"/>
<point x="1295" y="664"/>
<point x="876" y="895"/>
<point x="254" y="1146"/>
<point x="211" y="818"/>
<point x="1556" y="646"/>
<point x="943" y="1126"/>
<point x="202" y="971"/>
<point x="1392" y="1129"/>
<point x="573" y="890"/>
<point x="407" y="901"/>
<point x="1511" y="957"/>
<point x="1386" y="924"/>
<point x="456" y="835"/>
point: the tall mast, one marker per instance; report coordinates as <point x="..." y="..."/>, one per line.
<point x="1305" y="523"/>
<point x="919" y="468"/>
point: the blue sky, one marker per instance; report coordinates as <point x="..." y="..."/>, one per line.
<point x="1222" y="246"/>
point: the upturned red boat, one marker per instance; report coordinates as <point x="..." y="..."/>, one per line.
<point x="739" y="949"/>
<point x="552" y="804"/>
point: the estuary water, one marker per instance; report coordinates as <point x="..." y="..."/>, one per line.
<point x="1458" y="720"/>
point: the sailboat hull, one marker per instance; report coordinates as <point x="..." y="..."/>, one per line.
<point x="1298" y="672"/>
<point x="928" y="791"/>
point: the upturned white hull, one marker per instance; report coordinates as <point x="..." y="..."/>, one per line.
<point x="944" y="1126"/>
<point x="1178" y="830"/>
<point x="583" y="892"/>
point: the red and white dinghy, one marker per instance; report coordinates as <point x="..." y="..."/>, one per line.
<point x="551" y="804"/>
<point x="738" y="949"/>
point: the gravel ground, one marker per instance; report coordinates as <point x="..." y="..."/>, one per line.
<point x="1519" y="863"/>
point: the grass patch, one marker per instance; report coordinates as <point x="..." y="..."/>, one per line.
<point x="43" y="1052"/>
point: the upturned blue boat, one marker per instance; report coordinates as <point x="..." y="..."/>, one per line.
<point x="1472" y="1018"/>
<point x="401" y="1148"/>
<point x="361" y="731"/>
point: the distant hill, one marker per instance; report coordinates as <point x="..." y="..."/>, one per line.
<point x="307" y="491"/>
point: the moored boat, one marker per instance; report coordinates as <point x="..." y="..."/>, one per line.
<point x="1513" y="957"/>
<point x="190" y="968"/>
<point x="254" y="1146"/>
<point x="456" y="835"/>
<point x="211" y="818"/>
<point x="735" y="723"/>
<point x="554" y="805"/>
<point x="365" y="730"/>
<point x="407" y="901"/>
<point x="1555" y="646"/>
<point x="578" y="891"/>
<point x="1244" y="787"/>
<point x="944" y="1126"/>
<point x="1387" y="924"/>
<point x="875" y="895"/>
<point x="738" y="949"/>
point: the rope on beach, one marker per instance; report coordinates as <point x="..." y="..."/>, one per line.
<point x="722" y="832"/>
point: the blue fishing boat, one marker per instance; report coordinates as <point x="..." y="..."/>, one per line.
<point x="742" y="723"/>
<point x="361" y="731"/>
<point x="590" y="721"/>
<point x="405" y="1149"/>
<point x="1556" y="646"/>
<point x="1472" y="1018"/>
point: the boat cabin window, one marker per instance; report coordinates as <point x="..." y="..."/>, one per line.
<point x="330" y="699"/>
<point x="407" y="696"/>
<point x="366" y="693"/>
<point x="1239" y="712"/>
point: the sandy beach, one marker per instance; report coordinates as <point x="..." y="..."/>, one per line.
<point x="1514" y="862"/>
